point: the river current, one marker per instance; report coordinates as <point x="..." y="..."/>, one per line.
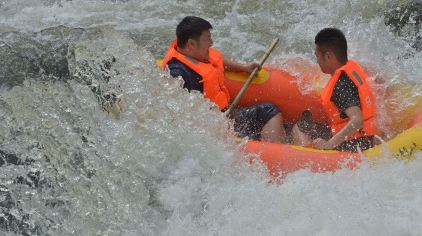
<point x="167" y="164"/>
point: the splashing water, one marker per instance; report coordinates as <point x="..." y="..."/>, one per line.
<point x="166" y="165"/>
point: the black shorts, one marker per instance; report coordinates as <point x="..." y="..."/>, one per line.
<point x="249" y="121"/>
<point x="315" y="130"/>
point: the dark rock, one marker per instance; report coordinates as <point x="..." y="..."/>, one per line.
<point x="31" y="55"/>
<point x="47" y="54"/>
<point x="405" y="19"/>
<point x="6" y="158"/>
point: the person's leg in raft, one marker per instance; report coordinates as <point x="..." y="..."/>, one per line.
<point x="273" y="131"/>
<point x="300" y="138"/>
<point x="306" y="130"/>
<point x="301" y="130"/>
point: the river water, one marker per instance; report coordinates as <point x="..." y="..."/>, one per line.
<point x="166" y="165"/>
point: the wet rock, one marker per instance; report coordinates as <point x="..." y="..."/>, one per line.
<point x="47" y="54"/>
<point x="405" y="19"/>
<point x="6" y="158"/>
<point x="21" y="58"/>
<point x="12" y="217"/>
<point x="31" y="55"/>
<point x="96" y="71"/>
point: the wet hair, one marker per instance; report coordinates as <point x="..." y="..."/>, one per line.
<point x="191" y="27"/>
<point x="332" y="39"/>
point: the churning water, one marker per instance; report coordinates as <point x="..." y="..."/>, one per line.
<point x="166" y="165"/>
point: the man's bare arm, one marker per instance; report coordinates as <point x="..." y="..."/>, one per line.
<point x="355" y="123"/>
<point x="231" y="65"/>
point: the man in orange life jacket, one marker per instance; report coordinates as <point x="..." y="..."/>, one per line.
<point x="202" y="68"/>
<point x="347" y="100"/>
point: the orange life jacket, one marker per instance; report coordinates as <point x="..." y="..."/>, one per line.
<point x="212" y="73"/>
<point x="367" y="101"/>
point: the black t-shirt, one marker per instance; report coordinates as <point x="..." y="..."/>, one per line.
<point x="190" y="77"/>
<point x="345" y="94"/>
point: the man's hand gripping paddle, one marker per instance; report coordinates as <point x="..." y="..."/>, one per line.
<point x="251" y="77"/>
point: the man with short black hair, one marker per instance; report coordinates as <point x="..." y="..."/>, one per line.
<point x="347" y="100"/>
<point x="202" y="67"/>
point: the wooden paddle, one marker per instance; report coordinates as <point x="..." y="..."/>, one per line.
<point x="251" y="76"/>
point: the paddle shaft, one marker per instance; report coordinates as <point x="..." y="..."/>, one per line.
<point x="251" y="76"/>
